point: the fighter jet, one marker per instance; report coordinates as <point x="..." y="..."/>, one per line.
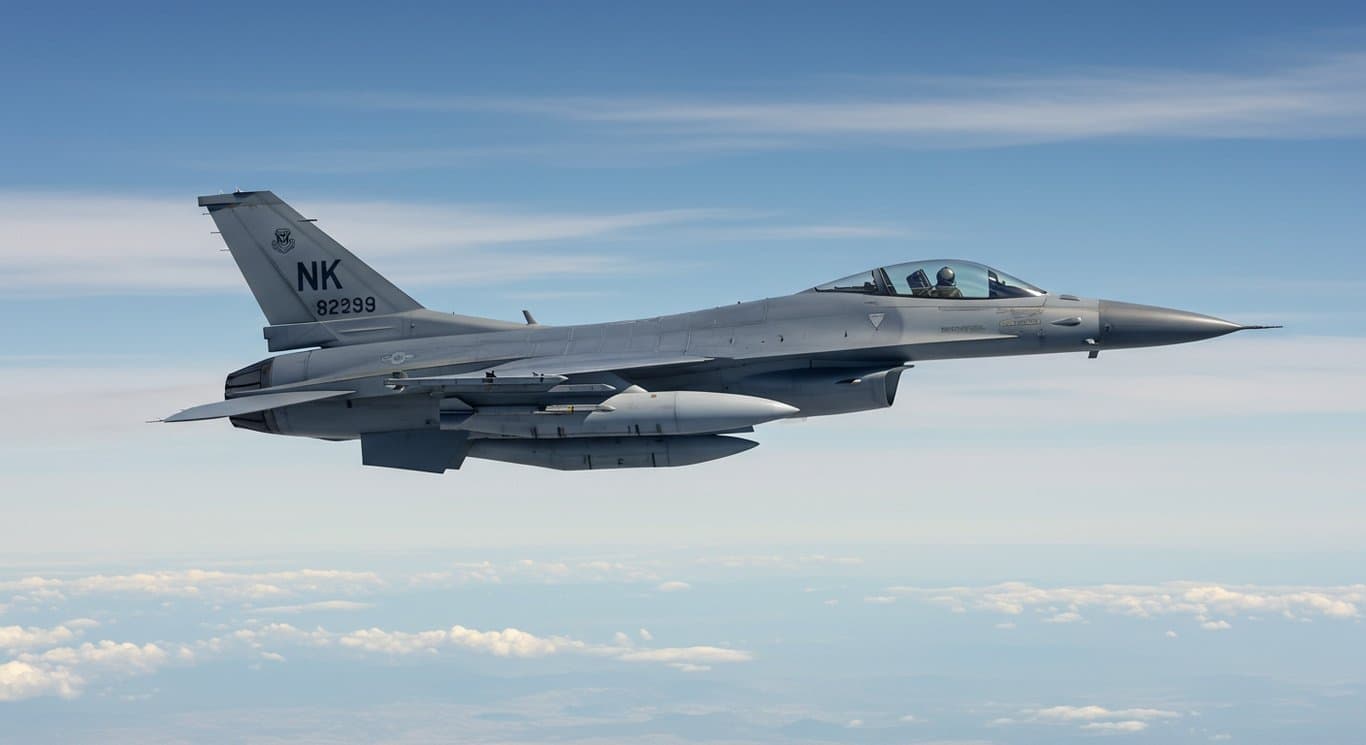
<point x="424" y="391"/>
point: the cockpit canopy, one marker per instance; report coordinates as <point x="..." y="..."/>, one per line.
<point x="949" y="279"/>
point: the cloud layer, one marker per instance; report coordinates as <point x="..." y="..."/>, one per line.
<point x="1311" y="98"/>
<point x="67" y="671"/>
<point x="1210" y="605"/>
<point x="204" y="584"/>
<point x="1092" y="718"/>
<point x="54" y="661"/>
<point x="77" y="242"/>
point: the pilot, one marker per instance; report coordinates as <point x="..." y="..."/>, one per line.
<point x="945" y="286"/>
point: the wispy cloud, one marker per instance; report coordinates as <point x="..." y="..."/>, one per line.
<point x="1092" y="713"/>
<point x="20" y="637"/>
<point x="314" y="607"/>
<point x="617" y="153"/>
<point x="1092" y="718"/>
<point x="200" y="584"/>
<point x="55" y="661"/>
<point x="1208" y="604"/>
<point x="805" y="232"/>
<point x="780" y="561"/>
<point x="67" y="670"/>
<point x="508" y="642"/>
<point x="21" y="680"/>
<point x="83" y="242"/>
<point x="258" y="592"/>
<point x="1320" y="97"/>
<point x="86" y="242"/>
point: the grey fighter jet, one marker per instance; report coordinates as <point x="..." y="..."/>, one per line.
<point x="424" y="390"/>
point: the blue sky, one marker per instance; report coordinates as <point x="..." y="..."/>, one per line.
<point x="598" y="161"/>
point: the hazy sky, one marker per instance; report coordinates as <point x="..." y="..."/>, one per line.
<point x="595" y="161"/>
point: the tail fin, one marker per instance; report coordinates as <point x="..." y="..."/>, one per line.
<point x="297" y="273"/>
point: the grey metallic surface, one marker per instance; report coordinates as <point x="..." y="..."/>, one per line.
<point x="632" y="414"/>
<point x="422" y="390"/>
<point x="624" y="452"/>
<point x="251" y="404"/>
<point x="1132" y="325"/>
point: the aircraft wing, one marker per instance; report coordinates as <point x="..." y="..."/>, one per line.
<point x="526" y="375"/>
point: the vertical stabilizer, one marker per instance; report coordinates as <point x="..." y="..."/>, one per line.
<point x="296" y="271"/>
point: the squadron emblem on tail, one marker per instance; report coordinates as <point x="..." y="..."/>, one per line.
<point x="283" y="242"/>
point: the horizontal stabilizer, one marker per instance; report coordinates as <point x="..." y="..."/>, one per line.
<point x="252" y="404"/>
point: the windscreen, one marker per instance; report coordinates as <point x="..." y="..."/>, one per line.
<point x="864" y="282"/>
<point x="1000" y="284"/>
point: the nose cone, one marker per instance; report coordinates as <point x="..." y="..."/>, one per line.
<point x="1131" y="325"/>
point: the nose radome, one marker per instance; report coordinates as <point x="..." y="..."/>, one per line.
<point x="1132" y="325"/>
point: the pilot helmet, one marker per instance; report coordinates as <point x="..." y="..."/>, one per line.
<point x="945" y="276"/>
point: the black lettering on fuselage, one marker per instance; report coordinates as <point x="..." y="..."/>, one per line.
<point x="315" y="274"/>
